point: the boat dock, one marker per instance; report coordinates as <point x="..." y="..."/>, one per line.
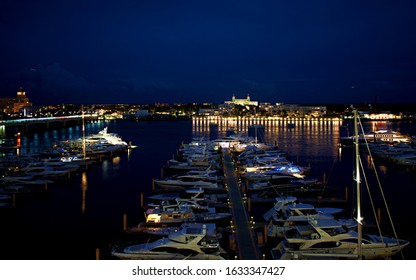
<point x="242" y="228"/>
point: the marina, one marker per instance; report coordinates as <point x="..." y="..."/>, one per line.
<point x="149" y="139"/>
<point x="93" y="208"/>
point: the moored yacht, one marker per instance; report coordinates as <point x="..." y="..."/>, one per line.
<point x="104" y="137"/>
<point x="287" y="213"/>
<point x="381" y="135"/>
<point x="195" y="241"/>
<point x="186" y="182"/>
<point x="171" y="214"/>
<point x="329" y="239"/>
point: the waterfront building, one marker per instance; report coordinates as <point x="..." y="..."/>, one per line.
<point x="228" y="106"/>
<point x="242" y="102"/>
<point x="295" y="110"/>
<point x="291" y="110"/>
<point x="268" y="107"/>
<point x="209" y="112"/>
<point x="142" y="113"/>
<point x="16" y="104"/>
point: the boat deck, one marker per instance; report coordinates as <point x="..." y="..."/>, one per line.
<point x="246" y="248"/>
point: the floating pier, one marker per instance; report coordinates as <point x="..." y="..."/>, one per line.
<point x="242" y="226"/>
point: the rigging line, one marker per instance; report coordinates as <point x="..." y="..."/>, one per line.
<point x="365" y="177"/>
<point x="371" y="199"/>
<point x="384" y="200"/>
<point x="379" y="183"/>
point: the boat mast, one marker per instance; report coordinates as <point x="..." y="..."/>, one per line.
<point x="358" y="185"/>
<point x="83" y="133"/>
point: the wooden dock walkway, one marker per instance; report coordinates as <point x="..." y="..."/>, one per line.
<point x="246" y="246"/>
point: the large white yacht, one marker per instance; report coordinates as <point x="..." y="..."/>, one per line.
<point x="104" y="137"/>
<point x="288" y="213"/>
<point x="329" y="239"/>
<point x="195" y="241"/>
<point x="381" y="135"/>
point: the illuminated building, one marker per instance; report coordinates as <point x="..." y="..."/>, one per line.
<point x="16" y="104"/>
<point x="243" y="102"/>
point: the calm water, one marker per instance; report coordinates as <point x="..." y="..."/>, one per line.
<point x="86" y="212"/>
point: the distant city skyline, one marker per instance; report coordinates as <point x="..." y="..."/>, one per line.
<point x="144" y="52"/>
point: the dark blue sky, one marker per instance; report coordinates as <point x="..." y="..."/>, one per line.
<point x="147" y="51"/>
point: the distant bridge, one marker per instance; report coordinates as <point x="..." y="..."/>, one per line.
<point x="24" y="125"/>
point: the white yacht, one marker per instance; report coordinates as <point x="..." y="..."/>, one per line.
<point x="270" y="171"/>
<point x="381" y="135"/>
<point x="195" y="241"/>
<point x="104" y="137"/>
<point x="186" y="182"/>
<point x="197" y="194"/>
<point x="287" y="213"/>
<point x="329" y="239"/>
<point x="170" y="214"/>
<point x="45" y="172"/>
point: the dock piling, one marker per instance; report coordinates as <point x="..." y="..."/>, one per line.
<point x="124" y="221"/>
<point x="265" y="233"/>
<point x="379" y="215"/>
<point x="346" y="193"/>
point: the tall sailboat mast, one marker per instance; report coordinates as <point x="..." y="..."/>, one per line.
<point x="358" y="185"/>
<point x="83" y="133"/>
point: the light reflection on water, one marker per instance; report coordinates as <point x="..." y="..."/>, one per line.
<point x="84" y="187"/>
<point x="40" y="141"/>
<point x="307" y="140"/>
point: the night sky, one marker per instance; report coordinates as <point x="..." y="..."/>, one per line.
<point x="148" y="51"/>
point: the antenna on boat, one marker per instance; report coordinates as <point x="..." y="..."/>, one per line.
<point x="358" y="184"/>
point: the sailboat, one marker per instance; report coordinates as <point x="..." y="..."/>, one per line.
<point x="329" y="239"/>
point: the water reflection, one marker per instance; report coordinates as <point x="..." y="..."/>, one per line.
<point x="39" y="141"/>
<point x="301" y="139"/>
<point x="339" y="152"/>
<point x="105" y="166"/>
<point x="2" y="130"/>
<point x="383" y="169"/>
<point x="84" y="187"/>
<point x="116" y="162"/>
